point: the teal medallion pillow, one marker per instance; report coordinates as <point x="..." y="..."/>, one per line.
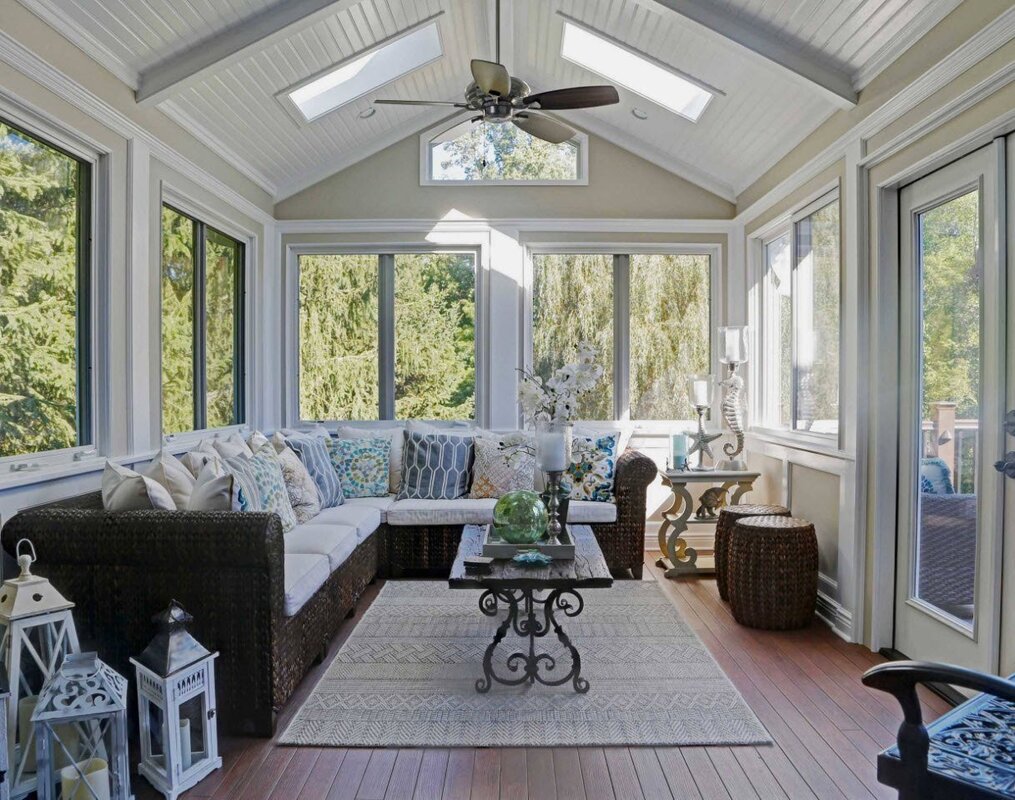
<point x="362" y="465"/>
<point x="593" y="467"/>
<point x="262" y="487"/>
<point x="436" y="466"/>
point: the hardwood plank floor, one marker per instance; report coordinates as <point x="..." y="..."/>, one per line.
<point x="803" y="685"/>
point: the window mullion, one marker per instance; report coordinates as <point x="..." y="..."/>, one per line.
<point x="621" y="337"/>
<point x="85" y="432"/>
<point x="794" y="297"/>
<point x="239" y="338"/>
<point x="386" y="335"/>
<point x="200" y="363"/>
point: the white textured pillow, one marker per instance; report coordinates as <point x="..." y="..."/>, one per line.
<point x="495" y="472"/>
<point x="126" y="490"/>
<point x="256" y="441"/>
<point x="232" y="446"/>
<point x="397" y="439"/>
<point x="195" y="460"/>
<point x="303" y="494"/>
<point x="215" y="490"/>
<point x="173" y="476"/>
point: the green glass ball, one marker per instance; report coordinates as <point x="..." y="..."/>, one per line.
<point x="520" y="517"/>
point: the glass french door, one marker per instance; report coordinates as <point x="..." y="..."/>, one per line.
<point x="953" y="394"/>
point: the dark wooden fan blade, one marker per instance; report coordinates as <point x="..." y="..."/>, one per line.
<point x="575" y="97"/>
<point x="544" y="128"/>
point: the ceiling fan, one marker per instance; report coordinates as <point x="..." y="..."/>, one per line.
<point x="500" y="98"/>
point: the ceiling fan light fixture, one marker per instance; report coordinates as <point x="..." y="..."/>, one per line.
<point x="638" y="113"/>
<point x="632" y="70"/>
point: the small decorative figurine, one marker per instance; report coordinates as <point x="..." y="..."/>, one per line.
<point x="710" y="502"/>
<point x="532" y="558"/>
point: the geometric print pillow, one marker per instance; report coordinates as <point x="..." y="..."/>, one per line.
<point x="436" y="466"/>
<point x="362" y="465"/>
<point x="593" y="467"/>
<point x="262" y="487"/>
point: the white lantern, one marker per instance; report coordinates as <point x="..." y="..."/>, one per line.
<point x="176" y="704"/>
<point x="5" y="700"/>
<point x="81" y="732"/>
<point x="38" y="631"/>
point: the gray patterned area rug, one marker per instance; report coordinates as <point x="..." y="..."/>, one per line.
<point x="406" y="678"/>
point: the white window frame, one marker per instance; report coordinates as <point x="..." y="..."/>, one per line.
<point x="30" y="467"/>
<point x="386" y="350"/>
<point x="764" y="389"/>
<point x="180" y="200"/>
<point x="426" y="163"/>
<point x="621" y="252"/>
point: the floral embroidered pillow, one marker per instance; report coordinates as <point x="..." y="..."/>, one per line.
<point x="593" y="469"/>
<point x="362" y="465"/>
<point x="502" y="465"/>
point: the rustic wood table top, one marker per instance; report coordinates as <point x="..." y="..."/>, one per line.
<point x="588" y="570"/>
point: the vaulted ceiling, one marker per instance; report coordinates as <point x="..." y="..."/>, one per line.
<point x="215" y="66"/>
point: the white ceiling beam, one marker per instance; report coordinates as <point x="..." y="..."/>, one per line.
<point x="837" y="86"/>
<point x="161" y="81"/>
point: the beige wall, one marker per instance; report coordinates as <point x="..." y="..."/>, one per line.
<point x="621" y="185"/>
<point x="945" y="37"/>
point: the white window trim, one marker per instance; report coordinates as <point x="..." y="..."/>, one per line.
<point x="425" y="163"/>
<point x="621" y="350"/>
<point x="763" y="393"/>
<point x="291" y="356"/>
<point x="172" y="195"/>
<point x="29" y="468"/>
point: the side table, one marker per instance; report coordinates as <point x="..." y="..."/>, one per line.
<point x="679" y="559"/>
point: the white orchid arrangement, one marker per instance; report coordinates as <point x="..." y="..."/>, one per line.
<point x="556" y="399"/>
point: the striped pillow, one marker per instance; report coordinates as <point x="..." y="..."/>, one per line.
<point x="313" y="452"/>
<point x="436" y="466"/>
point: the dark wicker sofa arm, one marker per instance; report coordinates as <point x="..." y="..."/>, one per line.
<point x="120" y="568"/>
<point x="635" y="471"/>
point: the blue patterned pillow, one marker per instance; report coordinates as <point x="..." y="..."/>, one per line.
<point x="262" y="487"/>
<point x="935" y="476"/>
<point x="313" y="452"/>
<point x="363" y="465"/>
<point x="593" y="468"/>
<point x="436" y="466"/>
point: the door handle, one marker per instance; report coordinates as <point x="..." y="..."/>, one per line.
<point x="1007" y="465"/>
<point x="1009" y="423"/>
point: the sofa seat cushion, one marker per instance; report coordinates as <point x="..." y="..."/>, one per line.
<point x="305" y="573"/>
<point x="441" y="512"/>
<point x="336" y="542"/>
<point x="591" y="511"/>
<point x="382" y="504"/>
<point x="364" y="519"/>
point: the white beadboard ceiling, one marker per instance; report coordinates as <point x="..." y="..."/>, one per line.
<point x="768" y="56"/>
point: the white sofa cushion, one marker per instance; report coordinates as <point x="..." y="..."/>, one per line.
<point x="591" y="511"/>
<point x="382" y="504"/>
<point x="304" y="575"/>
<point x="363" y="518"/>
<point x="441" y="512"/>
<point x="336" y="542"/>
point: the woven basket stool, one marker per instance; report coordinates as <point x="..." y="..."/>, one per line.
<point x="773" y="572"/>
<point x="728" y="517"/>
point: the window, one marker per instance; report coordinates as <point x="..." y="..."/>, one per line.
<point x="653" y="309"/>
<point x="366" y="72"/>
<point x="45" y="307"/>
<point x="644" y="76"/>
<point x="202" y="325"/>
<point x="473" y="153"/>
<point x="800" y="322"/>
<point x="386" y="336"/>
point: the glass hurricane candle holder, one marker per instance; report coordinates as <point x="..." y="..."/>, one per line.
<point x="553" y="456"/>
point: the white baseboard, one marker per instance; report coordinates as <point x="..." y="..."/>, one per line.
<point x="836" y="616"/>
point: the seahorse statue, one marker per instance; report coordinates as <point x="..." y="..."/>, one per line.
<point x="733" y="387"/>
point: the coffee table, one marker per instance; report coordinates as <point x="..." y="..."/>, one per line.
<point x="531" y="617"/>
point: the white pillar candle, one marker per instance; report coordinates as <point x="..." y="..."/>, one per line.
<point x="94" y="785"/>
<point x="551" y="450"/>
<point x="185" y="751"/>
<point x="699" y="392"/>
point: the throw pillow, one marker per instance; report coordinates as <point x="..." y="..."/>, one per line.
<point x="232" y="446"/>
<point x="593" y="467"/>
<point x="363" y="465"/>
<point x="303" y="494"/>
<point x="496" y="470"/>
<point x="348" y="432"/>
<point x="195" y="460"/>
<point x="313" y="452"/>
<point x="173" y="477"/>
<point x="436" y="466"/>
<point x="216" y="489"/>
<point x="937" y="473"/>
<point x="256" y="441"/>
<point x="126" y="490"/>
<point x="262" y="487"/>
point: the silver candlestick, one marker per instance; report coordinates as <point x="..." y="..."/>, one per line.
<point x="554" y="527"/>
<point x="733" y="353"/>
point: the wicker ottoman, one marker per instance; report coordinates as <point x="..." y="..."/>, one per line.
<point x="773" y="572"/>
<point x="728" y="517"/>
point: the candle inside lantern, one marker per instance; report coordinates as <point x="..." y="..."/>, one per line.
<point x="678" y="442"/>
<point x="185" y="752"/>
<point x="93" y="786"/>
<point x="551" y="451"/>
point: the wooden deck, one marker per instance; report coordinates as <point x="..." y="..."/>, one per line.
<point x="803" y="685"/>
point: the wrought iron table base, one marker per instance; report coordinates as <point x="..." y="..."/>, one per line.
<point x="531" y="622"/>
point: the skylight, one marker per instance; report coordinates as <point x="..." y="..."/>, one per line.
<point x="369" y="71"/>
<point x="633" y="71"/>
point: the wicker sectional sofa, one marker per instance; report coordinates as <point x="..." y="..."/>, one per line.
<point x="269" y="603"/>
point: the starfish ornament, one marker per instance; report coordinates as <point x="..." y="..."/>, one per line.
<point x="702" y="442"/>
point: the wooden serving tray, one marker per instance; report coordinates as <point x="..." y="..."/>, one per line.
<point x="495" y="547"/>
